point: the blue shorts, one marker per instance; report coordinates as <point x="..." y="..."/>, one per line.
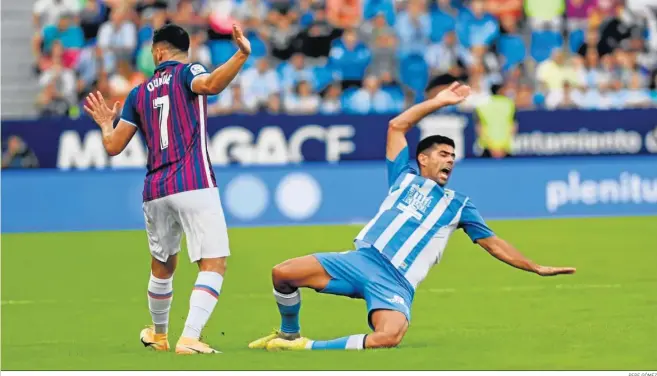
<point x="366" y="274"/>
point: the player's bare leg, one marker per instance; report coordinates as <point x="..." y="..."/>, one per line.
<point x="389" y="329"/>
<point x="160" y="295"/>
<point x="201" y="304"/>
<point x="287" y="278"/>
<point x="389" y="325"/>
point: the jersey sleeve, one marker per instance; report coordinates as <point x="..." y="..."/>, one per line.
<point x="129" y="113"/>
<point x="473" y="224"/>
<point x="191" y="72"/>
<point x="399" y="166"/>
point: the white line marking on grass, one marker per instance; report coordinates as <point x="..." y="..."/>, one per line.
<point x="525" y="288"/>
<point x="267" y="296"/>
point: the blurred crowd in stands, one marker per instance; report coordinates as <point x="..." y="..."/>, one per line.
<point x="360" y="56"/>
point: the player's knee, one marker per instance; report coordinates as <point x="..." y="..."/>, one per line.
<point x="281" y="273"/>
<point x="217" y="265"/>
<point x="387" y="339"/>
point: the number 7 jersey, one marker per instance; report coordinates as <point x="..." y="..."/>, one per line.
<point x="173" y="121"/>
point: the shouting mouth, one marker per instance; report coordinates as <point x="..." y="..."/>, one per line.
<point x="445" y="172"/>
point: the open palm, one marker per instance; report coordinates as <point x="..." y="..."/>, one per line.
<point x="454" y="94"/>
<point x="97" y="108"/>
<point x="241" y="41"/>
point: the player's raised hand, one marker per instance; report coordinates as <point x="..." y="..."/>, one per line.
<point x="241" y="41"/>
<point x="547" y="271"/>
<point x="454" y="94"/>
<point x="97" y="108"/>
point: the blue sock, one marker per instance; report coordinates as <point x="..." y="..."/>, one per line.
<point x="289" y="306"/>
<point x="354" y="342"/>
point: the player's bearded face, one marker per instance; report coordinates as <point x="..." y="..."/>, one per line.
<point x="438" y="163"/>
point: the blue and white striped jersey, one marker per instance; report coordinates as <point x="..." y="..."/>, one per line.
<point x="417" y="218"/>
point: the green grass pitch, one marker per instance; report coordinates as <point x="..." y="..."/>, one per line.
<point x="78" y="301"/>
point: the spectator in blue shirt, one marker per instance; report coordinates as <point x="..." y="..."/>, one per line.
<point x="371" y="99"/>
<point x="331" y="103"/>
<point x="636" y="95"/>
<point x="18" y="155"/>
<point x="65" y="31"/>
<point x="90" y="65"/>
<point x="259" y="82"/>
<point x="302" y="101"/>
<point x="151" y="20"/>
<point x="594" y="99"/>
<point x="349" y="58"/>
<point x="511" y="45"/>
<point x="294" y="71"/>
<point x="443" y="20"/>
<point x="414" y="28"/>
<point x="476" y="27"/>
<point x="446" y="56"/>
<point x="615" y="94"/>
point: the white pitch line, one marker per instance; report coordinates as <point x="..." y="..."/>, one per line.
<point x="524" y="288"/>
<point x="267" y="296"/>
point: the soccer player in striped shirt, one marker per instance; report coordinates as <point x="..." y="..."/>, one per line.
<point x="396" y="249"/>
<point x="180" y="191"/>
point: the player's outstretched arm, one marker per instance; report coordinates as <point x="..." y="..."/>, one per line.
<point x="114" y="139"/>
<point x="215" y="82"/>
<point x="505" y="252"/>
<point x="400" y="125"/>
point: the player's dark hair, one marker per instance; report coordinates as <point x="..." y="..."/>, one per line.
<point x="430" y="142"/>
<point x="174" y="35"/>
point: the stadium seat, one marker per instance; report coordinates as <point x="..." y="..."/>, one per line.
<point x="323" y="77"/>
<point x="575" y="40"/>
<point x="441" y="23"/>
<point x="221" y="51"/>
<point x="280" y="68"/>
<point x="397" y="95"/>
<point x="258" y="46"/>
<point x="542" y="44"/>
<point x="349" y="64"/>
<point x="250" y="62"/>
<point x="414" y="72"/>
<point x="513" y="49"/>
<point x="347" y="94"/>
<point x="372" y="7"/>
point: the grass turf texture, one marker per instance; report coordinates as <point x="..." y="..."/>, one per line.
<point x="78" y="301"/>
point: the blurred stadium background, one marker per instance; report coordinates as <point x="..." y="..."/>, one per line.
<point x="561" y="129"/>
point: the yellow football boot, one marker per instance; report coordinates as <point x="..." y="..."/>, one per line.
<point x="284" y="344"/>
<point x="157" y="342"/>
<point x="189" y="346"/>
<point x="261" y="343"/>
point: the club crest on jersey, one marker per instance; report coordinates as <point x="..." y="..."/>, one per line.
<point x="415" y="202"/>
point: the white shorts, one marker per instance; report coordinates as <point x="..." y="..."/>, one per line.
<point x="198" y="213"/>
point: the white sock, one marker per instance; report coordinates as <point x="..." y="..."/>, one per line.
<point x="160" y="294"/>
<point x="201" y="304"/>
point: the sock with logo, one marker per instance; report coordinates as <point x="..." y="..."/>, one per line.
<point x="353" y="342"/>
<point x="289" y="306"/>
<point x="160" y="295"/>
<point x="202" y="302"/>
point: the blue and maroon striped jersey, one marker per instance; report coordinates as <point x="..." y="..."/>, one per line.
<point x="173" y="121"/>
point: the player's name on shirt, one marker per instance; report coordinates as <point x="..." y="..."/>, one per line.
<point x="165" y="79"/>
